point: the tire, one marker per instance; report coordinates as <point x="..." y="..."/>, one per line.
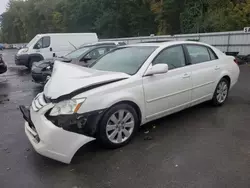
<point x="32" y="60"/>
<point x="221" y="92"/>
<point x="115" y="132"/>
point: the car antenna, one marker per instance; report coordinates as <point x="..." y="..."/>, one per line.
<point x="73" y="45"/>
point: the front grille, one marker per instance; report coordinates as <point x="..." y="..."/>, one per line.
<point x="39" y="102"/>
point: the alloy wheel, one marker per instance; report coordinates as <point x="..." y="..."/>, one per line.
<point x="222" y="92"/>
<point x="120" y="126"/>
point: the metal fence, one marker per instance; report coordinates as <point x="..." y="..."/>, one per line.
<point x="234" y="41"/>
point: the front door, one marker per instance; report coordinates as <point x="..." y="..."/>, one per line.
<point x="169" y="92"/>
<point x="43" y="47"/>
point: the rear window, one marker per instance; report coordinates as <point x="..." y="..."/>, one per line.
<point x="198" y="53"/>
<point x="213" y="56"/>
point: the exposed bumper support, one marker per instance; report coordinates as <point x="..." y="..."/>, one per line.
<point x="86" y="124"/>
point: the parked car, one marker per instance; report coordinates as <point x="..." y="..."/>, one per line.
<point x="116" y="43"/>
<point x="84" y="56"/>
<point x="3" y="66"/>
<point x="44" y="46"/>
<point x="243" y="59"/>
<point x="1" y="46"/>
<point x="126" y="88"/>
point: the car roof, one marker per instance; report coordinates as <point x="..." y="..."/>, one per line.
<point x="110" y="42"/>
<point x="166" y="44"/>
<point x="64" y="34"/>
<point x="96" y="46"/>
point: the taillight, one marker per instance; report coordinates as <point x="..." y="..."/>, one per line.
<point x="235" y="60"/>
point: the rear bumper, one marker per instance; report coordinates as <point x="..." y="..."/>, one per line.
<point x="22" y="59"/>
<point x="51" y="141"/>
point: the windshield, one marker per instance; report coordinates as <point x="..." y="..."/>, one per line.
<point x="127" y="59"/>
<point x="33" y="41"/>
<point x="77" y="53"/>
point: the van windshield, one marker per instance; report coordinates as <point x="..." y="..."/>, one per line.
<point x="33" y="41"/>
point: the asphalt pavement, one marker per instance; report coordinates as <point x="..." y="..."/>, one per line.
<point x="203" y="146"/>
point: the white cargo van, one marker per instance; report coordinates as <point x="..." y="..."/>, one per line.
<point x="47" y="46"/>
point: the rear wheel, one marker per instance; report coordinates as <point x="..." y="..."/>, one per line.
<point x="221" y="92"/>
<point x="118" y="126"/>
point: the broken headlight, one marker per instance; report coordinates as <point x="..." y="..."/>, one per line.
<point x="48" y="67"/>
<point x="67" y="107"/>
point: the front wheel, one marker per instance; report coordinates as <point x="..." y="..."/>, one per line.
<point x="32" y="60"/>
<point x="118" y="126"/>
<point x="221" y="92"/>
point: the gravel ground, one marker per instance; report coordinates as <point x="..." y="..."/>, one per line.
<point x="199" y="147"/>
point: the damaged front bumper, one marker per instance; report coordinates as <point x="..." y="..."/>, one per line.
<point x="85" y="124"/>
<point x="58" y="141"/>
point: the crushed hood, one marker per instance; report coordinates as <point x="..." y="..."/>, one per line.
<point x="69" y="80"/>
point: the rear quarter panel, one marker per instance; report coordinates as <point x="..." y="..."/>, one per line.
<point x="229" y="68"/>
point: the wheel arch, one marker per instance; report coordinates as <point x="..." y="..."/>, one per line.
<point x="227" y="75"/>
<point x="228" y="79"/>
<point x="134" y="105"/>
<point x="36" y="55"/>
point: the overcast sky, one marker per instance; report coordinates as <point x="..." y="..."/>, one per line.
<point x="3" y="4"/>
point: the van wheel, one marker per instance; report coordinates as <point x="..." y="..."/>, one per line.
<point x="221" y="92"/>
<point x="32" y="60"/>
<point x="118" y="126"/>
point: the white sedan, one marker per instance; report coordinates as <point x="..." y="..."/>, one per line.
<point x="124" y="89"/>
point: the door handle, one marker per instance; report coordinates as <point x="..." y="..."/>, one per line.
<point x="186" y="75"/>
<point x="217" y="68"/>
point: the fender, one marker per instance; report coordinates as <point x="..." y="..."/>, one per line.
<point x="127" y="96"/>
<point x="36" y="56"/>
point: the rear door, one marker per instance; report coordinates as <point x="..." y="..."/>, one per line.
<point x="205" y="72"/>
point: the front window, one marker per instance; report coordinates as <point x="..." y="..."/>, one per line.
<point x="173" y="56"/>
<point x="127" y="60"/>
<point x="42" y="43"/>
<point x="77" y="53"/>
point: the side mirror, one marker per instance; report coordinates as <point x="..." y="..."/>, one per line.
<point x="37" y="46"/>
<point x="157" y="69"/>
